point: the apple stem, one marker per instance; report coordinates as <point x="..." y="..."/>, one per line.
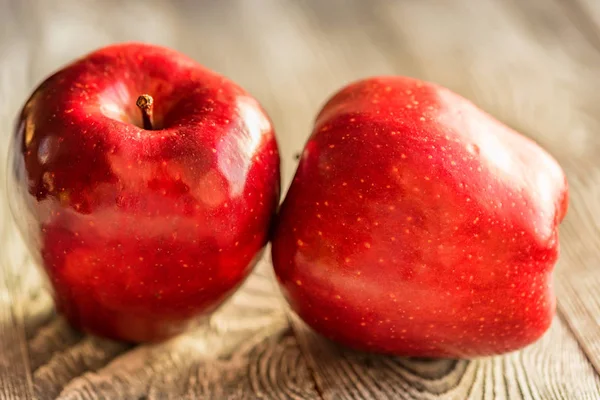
<point x="144" y="103"/>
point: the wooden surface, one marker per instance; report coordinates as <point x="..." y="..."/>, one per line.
<point x="532" y="63"/>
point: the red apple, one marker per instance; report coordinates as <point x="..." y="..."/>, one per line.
<point x="418" y="225"/>
<point x="143" y="216"/>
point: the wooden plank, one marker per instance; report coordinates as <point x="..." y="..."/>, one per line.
<point x="583" y="312"/>
<point x="15" y="376"/>
<point x="578" y="280"/>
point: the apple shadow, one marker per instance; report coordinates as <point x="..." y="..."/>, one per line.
<point x="432" y="375"/>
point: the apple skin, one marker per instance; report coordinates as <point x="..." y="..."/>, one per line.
<point x="142" y="231"/>
<point x="418" y="225"/>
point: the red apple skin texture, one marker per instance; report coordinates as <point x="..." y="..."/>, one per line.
<point x="418" y="225"/>
<point x="142" y="231"/>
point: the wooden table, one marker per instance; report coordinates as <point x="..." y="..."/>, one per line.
<point x="535" y="64"/>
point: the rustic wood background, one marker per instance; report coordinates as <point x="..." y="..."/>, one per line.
<point x="535" y="64"/>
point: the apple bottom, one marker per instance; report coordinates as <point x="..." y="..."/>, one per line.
<point x="86" y="313"/>
<point x="94" y="318"/>
<point x="424" y="323"/>
<point x="140" y="290"/>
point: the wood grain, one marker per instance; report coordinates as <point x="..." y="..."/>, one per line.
<point x="15" y="379"/>
<point x="533" y="64"/>
<point x="545" y="370"/>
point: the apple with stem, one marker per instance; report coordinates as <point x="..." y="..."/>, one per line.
<point x="145" y="185"/>
<point x="418" y="225"/>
